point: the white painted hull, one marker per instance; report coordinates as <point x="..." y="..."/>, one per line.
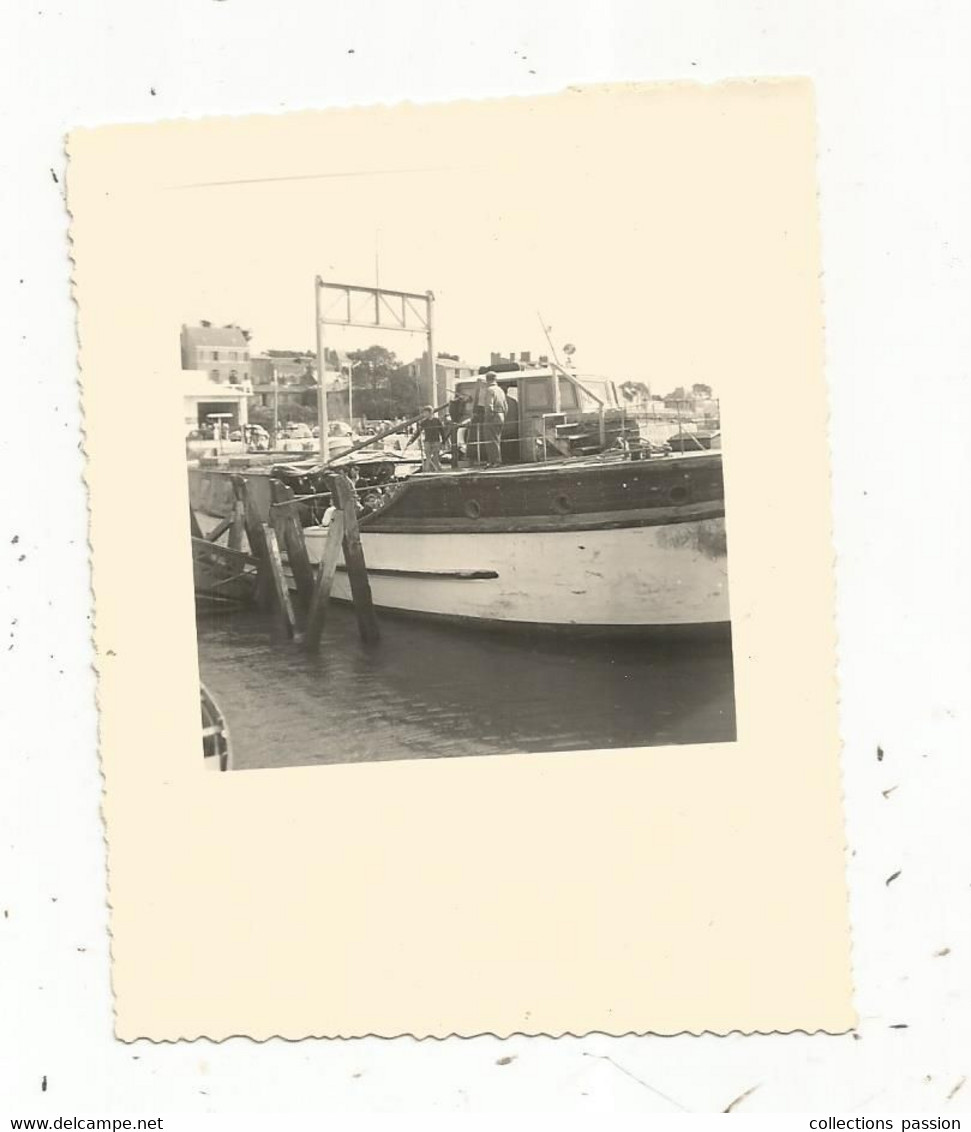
<point x="673" y="574"/>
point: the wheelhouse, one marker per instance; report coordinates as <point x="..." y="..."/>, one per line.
<point x="540" y="401"/>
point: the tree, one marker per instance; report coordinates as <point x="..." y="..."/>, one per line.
<point x="376" y="395"/>
<point x="405" y="392"/>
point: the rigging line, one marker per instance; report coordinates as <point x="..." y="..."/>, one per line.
<point x="306" y="177"/>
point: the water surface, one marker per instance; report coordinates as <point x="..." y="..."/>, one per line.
<point x="436" y="691"/>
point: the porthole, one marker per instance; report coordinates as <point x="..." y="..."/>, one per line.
<point x="472" y="508"/>
<point x="679" y="494"/>
<point x="563" y="504"/>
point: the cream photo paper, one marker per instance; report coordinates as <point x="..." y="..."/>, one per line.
<point x="463" y="575"/>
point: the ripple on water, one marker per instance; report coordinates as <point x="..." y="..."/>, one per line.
<point x="437" y="691"/>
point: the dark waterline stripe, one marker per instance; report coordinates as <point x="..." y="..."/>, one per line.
<point x="461" y="575"/>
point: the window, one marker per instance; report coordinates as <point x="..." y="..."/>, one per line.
<point x="232" y="355"/>
<point x="538" y="394"/>
<point x="214" y="374"/>
<point x="215" y="355"/>
<point x="599" y="388"/>
<point x="568" y="394"/>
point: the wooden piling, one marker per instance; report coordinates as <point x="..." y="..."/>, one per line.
<point x="324" y="583"/>
<point x="285" y="517"/>
<point x="281" y="591"/>
<point x="253" y="523"/>
<point x="346" y="501"/>
<point x="237" y="528"/>
<point x="194" y="527"/>
<point x="238" y="524"/>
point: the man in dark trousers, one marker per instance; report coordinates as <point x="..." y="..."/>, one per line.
<point x="494" y="404"/>
<point x="458" y="419"/>
<point x="432" y="432"/>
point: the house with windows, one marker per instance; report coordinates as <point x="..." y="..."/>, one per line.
<point x="449" y="370"/>
<point x="220" y="351"/>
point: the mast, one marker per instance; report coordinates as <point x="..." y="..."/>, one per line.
<point x="322" y="420"/>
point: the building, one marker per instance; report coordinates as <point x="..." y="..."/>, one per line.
<point x="287" y="377"/>
<point x="696" y="404"/>
<point x="283" y="377"/>
<point x="525" y="358"/>
<point x="221" y="351"/>
<point x="637" y="397"/>
<point x="449" y="369"/>
<point x="206" y="400"/>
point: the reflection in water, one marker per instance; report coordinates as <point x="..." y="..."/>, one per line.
<point x="433" y="691"/>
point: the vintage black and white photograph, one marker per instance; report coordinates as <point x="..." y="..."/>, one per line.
<point x="472" y="429"/>
<point x="444" y="499"/>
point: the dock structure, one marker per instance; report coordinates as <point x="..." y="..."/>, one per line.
<point x="345" y="501"/>
<point x="259" y="574"/>
<point x="285" y="517"/>
<point x="317" y="610"/>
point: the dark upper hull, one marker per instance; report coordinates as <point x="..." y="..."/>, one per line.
<point x="562" y="496"/>
<point x="558" y="497"/>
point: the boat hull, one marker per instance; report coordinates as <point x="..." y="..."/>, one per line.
<point x="659" y="575"/>
<point x="598" y="544"/>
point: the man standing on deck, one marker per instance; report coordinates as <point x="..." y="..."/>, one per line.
<point x="432" y="432"/>
<point x="495" y="415"/>
<point x="458" y="414"/>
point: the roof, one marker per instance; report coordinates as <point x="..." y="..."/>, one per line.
<point x="199" y="383"/>
<point x="214" y="336"/>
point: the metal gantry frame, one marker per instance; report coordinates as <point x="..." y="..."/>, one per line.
<point x="374" y="308"/>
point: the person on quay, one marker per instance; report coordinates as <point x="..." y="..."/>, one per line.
<point x="494" y="418"/>
<point x="431" y="429"/>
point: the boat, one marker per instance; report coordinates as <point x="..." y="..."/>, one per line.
<point x="700" y="439"/>
<point x="588" y="545"/>
<point x="216" y="748"/>
<point x="588" y="531"/>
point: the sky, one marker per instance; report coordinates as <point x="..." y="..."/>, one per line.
<point x="507" y="211"/>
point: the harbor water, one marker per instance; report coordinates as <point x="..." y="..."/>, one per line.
<point x="431" y="690"/>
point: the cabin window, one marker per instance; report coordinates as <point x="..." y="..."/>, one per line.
<point x="568" y="394"/>
<point x="598" y="388"/>
<point x="538" y="395"/>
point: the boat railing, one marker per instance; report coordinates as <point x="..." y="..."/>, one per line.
<point x="579" y="385"/>
<point x="574" y="380"/>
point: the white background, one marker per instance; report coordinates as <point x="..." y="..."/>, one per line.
<point x="894" y="96"/>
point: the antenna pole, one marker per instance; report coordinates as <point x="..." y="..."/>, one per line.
<point x="432" y="369"/>
<point x="548" y="338"/>
<point x="322" y="421"/>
